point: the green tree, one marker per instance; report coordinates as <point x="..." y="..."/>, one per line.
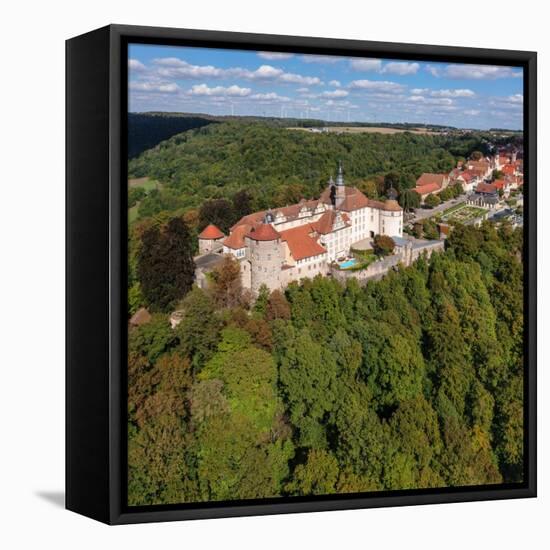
<point x="308" y="375"/>
<point x="432" y="200"/>
<point x="383" y="245"/>
<point x="226" y="284"/>
<point x="318" y="476"/>
<point x="409" y="199"/>
<point x="166" y="269"/>
<point x="218" y="212"/>
<point x="199" y="328"/>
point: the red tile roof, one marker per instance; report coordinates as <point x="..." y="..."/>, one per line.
<point x="428" y="178"/>
<point x="325" y="223"/>
<point x="263" y="232"/>
<point x="236" y="239"/>
<point x="211" y="232"/>
<point x="354" y="199"/>
<point x="509" y="169"/>
<point x="467" y="176"/>
<point x="427" y="188"/>
<point x="485" y="188"/>
<point x="301" y="243"/>
<point x="482" y="165"/>
<point x="289" y="212"/>
<point x="500" y="184"/>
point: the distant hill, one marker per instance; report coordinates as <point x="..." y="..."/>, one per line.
<point x="145" y="130"/>
<point x="278" y="166"/>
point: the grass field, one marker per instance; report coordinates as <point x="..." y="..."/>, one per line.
<point x="132" y="213"/>
<point x="462" y="213"/>
<point x="369" y="130"/>
<point x="145" y="183"/>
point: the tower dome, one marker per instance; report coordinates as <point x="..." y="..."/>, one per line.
<point x="391" y="193"/>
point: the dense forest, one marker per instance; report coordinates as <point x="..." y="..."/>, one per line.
<point x="413" y="381"/>
<point x="145" y="130"/>
<point x="278" y="166"/>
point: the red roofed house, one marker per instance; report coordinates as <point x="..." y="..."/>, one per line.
<point x="509" y="169"/>
<point x="302" y="240"/>
<point x="502" y="185"/>
<point x="469" y="180"/>
<point x="482" y="167"/>
<point x="430" y="184"/>
<point x="486" y="188"/>
<point x="210" y="239"/>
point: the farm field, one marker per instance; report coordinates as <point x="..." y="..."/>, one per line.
<point x="370" y="130"/>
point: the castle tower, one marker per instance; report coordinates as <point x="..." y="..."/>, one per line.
<point x="210" y="239"/>
<point x="391" y="219"/>
<point x="266" y="255"/>
<point x="340" y="191"/>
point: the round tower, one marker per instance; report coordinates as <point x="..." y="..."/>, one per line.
<point x="210" y="239"/>
<point x="391" y="219"/>
<point x="266" y="256"/>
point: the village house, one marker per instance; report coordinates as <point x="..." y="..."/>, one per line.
<point x="275" y="247"/>
<point x="430" y="184"/>
<point x="485" y="195"/>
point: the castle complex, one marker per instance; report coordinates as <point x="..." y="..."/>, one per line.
<point x="276" y="247"/>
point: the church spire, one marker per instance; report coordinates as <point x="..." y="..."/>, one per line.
<point x="340" y="174"/>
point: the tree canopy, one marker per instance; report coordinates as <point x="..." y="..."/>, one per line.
<point x="412" y="381"/>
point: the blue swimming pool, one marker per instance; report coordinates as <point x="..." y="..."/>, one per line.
<point x="348" y="263"/>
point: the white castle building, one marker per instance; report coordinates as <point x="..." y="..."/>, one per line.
<point x="275" y="247"/>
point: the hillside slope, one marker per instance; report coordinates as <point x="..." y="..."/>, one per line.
<point x="220" y="159"/>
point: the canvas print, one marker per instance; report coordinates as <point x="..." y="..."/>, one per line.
<point x="325" y="275"/>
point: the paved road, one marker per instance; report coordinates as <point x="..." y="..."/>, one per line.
<point x="422" y="214"/>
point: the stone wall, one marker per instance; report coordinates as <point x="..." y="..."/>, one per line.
<point x="376" y="270"/>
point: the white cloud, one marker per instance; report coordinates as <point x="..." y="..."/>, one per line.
<point x="158" y="87"/>
<point x="335" y="83"/>
<point x="516" y="98"/>
<point x="443" y="93"/>
<point x="377" y="86"/>
<point x="173" y="67"/>
<point x="434" y="70"/>
<point x="230" y="91"/>
<point x="462" y="92"/>
<point x="265" y="71"/>
<point x="471" y="112"/>
<point x="299" y="79"/>
<point x="274" y="55"/>
<point x="481" y="72"/>
<point x="430" y="100"/>
<point x="335" y="94"/>
<point x="400" y="68"/>
<point x="302" y="90"/>
<point x="270" y="97"/>
<point x="135" y="65"/>
<point x="366" y="64"/>
<point x="323" y="59"/>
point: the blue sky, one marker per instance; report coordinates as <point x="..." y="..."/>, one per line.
<point x="222" y="82"/>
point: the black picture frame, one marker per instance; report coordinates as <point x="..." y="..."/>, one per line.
<point x="96" y="300"/>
